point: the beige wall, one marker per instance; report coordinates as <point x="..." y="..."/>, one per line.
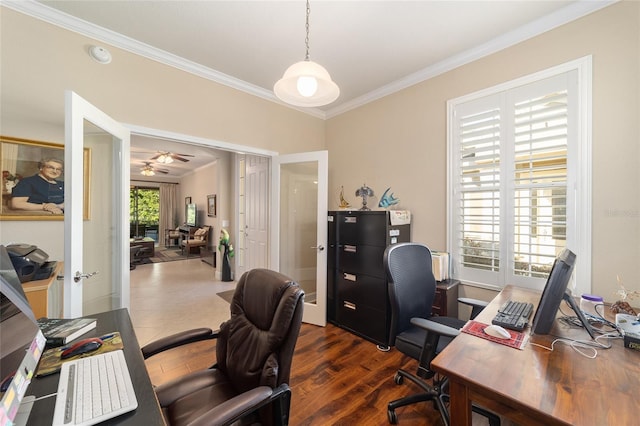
<point x="400" y="141"/>
<point x="40" y="61"/>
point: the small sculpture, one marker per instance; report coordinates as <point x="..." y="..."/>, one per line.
<point x="388" y="200"/>
<point x="364" y="191"/>
<point x="226" y="248"/>
<point x="622" y="306"/>
<point x="343" y="204"/>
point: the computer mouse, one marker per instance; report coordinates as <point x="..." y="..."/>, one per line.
<point x="497" y="331"/>
<point x="82" y="347"/>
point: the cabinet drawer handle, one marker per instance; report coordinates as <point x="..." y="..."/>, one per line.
<point x="350" y="305"/>
<point x="349" y="277"/>
<point x="350" y="249"/>
<point x="351" y="219"/>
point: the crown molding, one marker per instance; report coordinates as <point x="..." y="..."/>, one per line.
<point x="565" y="15"/>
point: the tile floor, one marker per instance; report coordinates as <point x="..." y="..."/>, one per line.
<point x="173" y="296"/>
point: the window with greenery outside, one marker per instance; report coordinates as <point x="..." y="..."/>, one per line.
<point x="144" y="212"/>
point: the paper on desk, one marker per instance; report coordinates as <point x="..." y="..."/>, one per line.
<point x="518" y="339"/>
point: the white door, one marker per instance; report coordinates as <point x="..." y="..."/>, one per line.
<point x="96" y="252"/>
<point x="256" y="241"/>
<point x="299" y="223"/>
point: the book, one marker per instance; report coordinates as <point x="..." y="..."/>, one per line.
<point x="60" y="331"/>
<point x="50" y="362"/>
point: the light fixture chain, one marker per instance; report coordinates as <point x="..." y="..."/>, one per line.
<point x="306" y="40"/>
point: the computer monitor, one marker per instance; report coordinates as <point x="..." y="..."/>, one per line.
<point x="21" y="341"/>
<point x="555" y="290"/>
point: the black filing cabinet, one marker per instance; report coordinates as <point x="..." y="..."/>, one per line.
<point x="357" y="295"/>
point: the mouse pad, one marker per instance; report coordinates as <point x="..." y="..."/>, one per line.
<point x="518" y="340"/>
<point x="50" y="362"/>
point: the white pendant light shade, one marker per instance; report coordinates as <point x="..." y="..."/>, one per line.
<point x="306" y="84"/>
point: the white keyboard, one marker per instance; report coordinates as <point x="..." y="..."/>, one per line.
<point x="94" y="389"/>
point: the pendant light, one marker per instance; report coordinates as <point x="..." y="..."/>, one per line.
<point x="306" y="83"/>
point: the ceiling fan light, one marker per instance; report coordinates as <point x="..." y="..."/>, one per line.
<point x="165" y="159"/>
<point x="147" y="171"/>
<point x="297" y="84"/>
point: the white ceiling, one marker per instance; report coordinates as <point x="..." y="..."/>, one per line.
<point x="370" y="48"/>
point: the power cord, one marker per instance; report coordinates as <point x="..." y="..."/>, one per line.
<point x="580" y="345"/>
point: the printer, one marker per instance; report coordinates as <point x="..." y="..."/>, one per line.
<point x="30" y="262"/>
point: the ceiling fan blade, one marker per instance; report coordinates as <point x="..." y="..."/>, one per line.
<point x="183" y="155"/>
<point x="161" y="171"/>
<point x="155" y="157"/>
<point x="176" y="157"/>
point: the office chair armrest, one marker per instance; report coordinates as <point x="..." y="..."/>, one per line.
<point x="236" y="408"/>
<point x="434" y="327"/>
<point x="178" y="339"/>
<point x="476" y="305"/>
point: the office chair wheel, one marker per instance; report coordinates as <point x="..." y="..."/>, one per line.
<point x="398" y="379"/>
<point x="393" y="418"/>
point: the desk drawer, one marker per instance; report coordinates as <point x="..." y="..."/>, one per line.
<point x="361" y="290"/>
<point x="361" y="259"/>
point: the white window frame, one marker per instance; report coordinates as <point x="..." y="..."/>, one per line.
<point x="579" y="213"/>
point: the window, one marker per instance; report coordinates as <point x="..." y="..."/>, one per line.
<point x="519" y="171"/>
<point x="144" y="212"/>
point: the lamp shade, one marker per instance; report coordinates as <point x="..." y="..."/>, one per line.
<point x="306" y="84"/>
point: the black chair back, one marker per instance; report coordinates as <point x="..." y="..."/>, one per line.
<point x="412" y="286"/>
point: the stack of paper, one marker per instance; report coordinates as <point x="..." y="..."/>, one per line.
<point x="440" y="262"/>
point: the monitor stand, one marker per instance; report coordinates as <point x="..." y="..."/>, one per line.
<point x="585" y="323"/>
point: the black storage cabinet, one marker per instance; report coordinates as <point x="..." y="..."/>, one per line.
<point x="357" y="295"/>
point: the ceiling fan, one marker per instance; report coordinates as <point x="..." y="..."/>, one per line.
<point x="149" y="170"/>
<point x="167" y="157"/>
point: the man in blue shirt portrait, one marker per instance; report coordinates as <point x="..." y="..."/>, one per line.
<point x="42" y="191"/>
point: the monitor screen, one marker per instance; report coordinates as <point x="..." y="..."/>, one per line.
<point x="553" y="293"/>
<point x="191" y="214"/>
<point x="21" y="341"/>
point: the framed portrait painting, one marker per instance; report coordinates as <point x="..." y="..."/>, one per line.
<point x="33" y="180"/>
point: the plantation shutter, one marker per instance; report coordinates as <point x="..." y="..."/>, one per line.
<point x="509" y="170"/>
<point x="540" y="181"/>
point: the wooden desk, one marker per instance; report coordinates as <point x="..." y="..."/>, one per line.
<point x="537" y="387"/>
<point x="148" y="412"/>
<point x="45" y="296"/>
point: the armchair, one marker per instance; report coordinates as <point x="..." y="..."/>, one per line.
<point x="254" y="351"/>
<point x="172" y="235"/>
<point x="200" y="239"/>
<point x="415" y="331"/>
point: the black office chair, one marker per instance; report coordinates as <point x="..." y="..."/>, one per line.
<point x="254" y="350"/>
<point x="415" y="331"/>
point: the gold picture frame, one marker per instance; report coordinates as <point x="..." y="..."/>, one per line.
<point x="21" y="158"/>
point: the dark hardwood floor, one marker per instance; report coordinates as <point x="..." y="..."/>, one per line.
<point x="337" y="379"/>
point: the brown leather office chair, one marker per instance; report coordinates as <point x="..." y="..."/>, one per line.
<point x="415" y="332"/>
<point x="254" y="351"/>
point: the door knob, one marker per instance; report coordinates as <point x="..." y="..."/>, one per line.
<point x="80" y="276"/>
<point x="318" y="247"/>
